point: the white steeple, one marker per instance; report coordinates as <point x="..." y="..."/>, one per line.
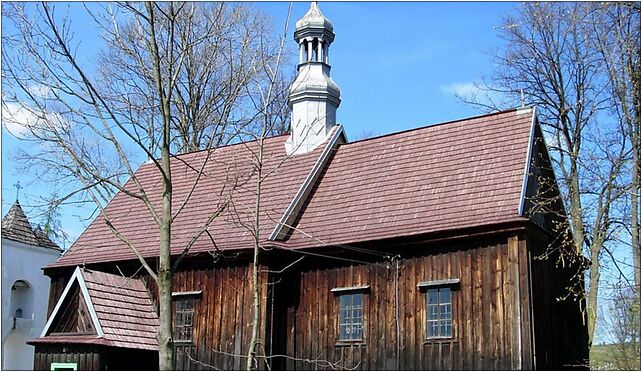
<point x="313" y="97"/>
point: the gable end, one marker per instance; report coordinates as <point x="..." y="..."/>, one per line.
<point x="75" y="287"/>
<point x="542" y="201"/>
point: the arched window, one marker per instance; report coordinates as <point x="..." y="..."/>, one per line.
<point x="21" y="300"/>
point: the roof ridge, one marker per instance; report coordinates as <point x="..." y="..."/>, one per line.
<point x="441" y="123"/>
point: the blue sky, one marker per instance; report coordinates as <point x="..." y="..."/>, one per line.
<point x="398" y="65"/>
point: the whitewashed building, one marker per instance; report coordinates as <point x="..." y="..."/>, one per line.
<point x="25" y="289"/>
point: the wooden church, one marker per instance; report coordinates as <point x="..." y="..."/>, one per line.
<point x="422" y="249"/>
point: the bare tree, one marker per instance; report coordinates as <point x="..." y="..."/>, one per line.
<point x="209" y="100"/>
<point x="153" y="95"/>
<point x="550" y="61"/>
<point x="617" y="39"/>
<point x="621" y="327"/>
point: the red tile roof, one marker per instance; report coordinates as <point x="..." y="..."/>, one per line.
<point x="124" y="309"/>
<point x="460" y="174"/>
<point x="225" y="167"/>
<point x="453" y="175"/>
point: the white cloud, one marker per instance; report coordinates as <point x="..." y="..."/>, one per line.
<point x="40" y="90"/>
<point x="16" y="118"/>
<point x="19" y="120"/>
<point x="461" y="89"/>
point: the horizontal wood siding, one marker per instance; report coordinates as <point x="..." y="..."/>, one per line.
<point x="486" y="307"/>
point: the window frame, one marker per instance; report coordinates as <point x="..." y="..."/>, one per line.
<point x="438" y="285"/>
<point x="184" y="297"/>
<point x="351" y="291"/>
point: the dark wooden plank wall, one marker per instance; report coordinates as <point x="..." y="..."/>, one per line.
<point x="491" y="316"/>
<point x="561" y="335"/>
<point x="94" y="358"/>
<point x="73" y="315"/>
<point x="56" y="287"/>
<point x="118" y="359"/>
<point x="88" y="358"/>
<point x="494" y="307"/>
<point x="222" y="316"/>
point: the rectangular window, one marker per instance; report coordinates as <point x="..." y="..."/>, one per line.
<point x="351" y="317"/>
<point x="183" y="319"/>
<point x="439" y="312"/>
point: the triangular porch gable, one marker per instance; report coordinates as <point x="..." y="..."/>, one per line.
<point x="74" y="312"/>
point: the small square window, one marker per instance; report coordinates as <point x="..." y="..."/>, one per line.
<point x="183" y="319"/>
<point x="351" y="317"/>
<point x="439" y="312"/>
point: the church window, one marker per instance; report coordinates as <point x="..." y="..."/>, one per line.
<point x="439" y="307"/>
<point x="351" y="301"/>
<point x="351" y="317"/>
<point x="439" y="312"/>
<point x="184" y="318"/>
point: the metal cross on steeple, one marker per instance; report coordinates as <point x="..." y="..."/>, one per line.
<point x="18" y="187"/>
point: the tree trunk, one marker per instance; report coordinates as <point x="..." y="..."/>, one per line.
<point x="165" y="313"/>
<point x="165" y="274"/>
<point x="635" y="219"/>
<point x="594" y="285"/>
<point x="576" y="210"/>
<point x="255" y="306"/>
<point x="255" y="262"/>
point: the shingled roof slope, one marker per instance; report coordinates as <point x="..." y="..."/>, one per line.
<point x="228" y="170"/>
<point x="460" y="174"/>
<point x="125" y="311"/>
<point x="16" y="226"/>
<point x="453" y="175"/>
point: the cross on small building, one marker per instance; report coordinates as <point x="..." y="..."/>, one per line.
<point x="18" y="187"/>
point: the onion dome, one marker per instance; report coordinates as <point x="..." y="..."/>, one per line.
<point x="314" y="19"/>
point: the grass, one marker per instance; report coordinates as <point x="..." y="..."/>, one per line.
<point x="610" y="358"/>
